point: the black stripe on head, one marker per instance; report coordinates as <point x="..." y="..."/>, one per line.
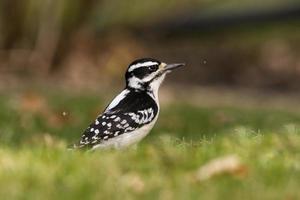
<point x="142" y="72"/>
<point x="137" y="69"/>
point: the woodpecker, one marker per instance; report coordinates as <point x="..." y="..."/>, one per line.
<point x="132" y="114"/>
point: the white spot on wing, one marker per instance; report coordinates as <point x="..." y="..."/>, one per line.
<point x="119" y="126"/>
<point x="94" y="137"/>
<point x="94" y="141"/>
<point x="117" y="119"/>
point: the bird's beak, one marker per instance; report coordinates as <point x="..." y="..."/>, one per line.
<point x="170" y="67"/>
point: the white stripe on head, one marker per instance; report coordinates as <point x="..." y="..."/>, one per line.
<point x="144" y="64"/>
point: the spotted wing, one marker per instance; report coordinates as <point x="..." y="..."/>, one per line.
<point x="132" y="112"/>
<point x="108" y="126"/>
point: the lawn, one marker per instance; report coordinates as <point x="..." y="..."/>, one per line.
<point x="257" y="151"/>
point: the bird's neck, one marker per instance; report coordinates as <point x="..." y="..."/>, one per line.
<point x="151" y="88"/>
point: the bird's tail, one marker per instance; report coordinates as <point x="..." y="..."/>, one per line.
<point x="76" y="146"/>
<point x="73" y="147"/>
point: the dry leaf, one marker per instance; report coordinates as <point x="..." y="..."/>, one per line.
<point x="230" y="164"/>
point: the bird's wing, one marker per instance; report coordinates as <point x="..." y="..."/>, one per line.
<point x="110" y="125"/>
<point x="129" y="113"/>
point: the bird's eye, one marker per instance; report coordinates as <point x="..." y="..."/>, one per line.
<point x="153" y="68"/>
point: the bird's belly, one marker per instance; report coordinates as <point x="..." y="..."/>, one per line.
<point x="127" y="139"/>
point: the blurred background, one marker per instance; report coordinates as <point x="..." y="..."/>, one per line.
<point x="89" y="43"/>
<point x="62" y="61"/>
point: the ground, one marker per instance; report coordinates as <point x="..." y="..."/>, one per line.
<point x="35" y="129"/>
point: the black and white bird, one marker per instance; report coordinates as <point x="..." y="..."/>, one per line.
<point x="131" y="114"/>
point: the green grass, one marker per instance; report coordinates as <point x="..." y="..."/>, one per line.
<point x="34" y="163"/>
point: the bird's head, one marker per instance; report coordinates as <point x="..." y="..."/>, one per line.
<point x="148" y="73"/>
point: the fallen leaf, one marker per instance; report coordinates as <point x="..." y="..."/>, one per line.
<point x="229" y="164"/>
